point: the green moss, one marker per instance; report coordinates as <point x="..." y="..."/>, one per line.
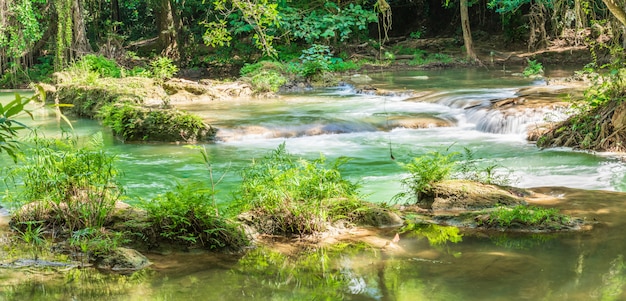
<point x="134" y="123"/>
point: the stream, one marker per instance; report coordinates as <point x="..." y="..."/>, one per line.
<point x="431" y="263"/>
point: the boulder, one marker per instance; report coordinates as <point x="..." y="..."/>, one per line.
<point x="123" y="260"/>
<point x="465" y="195"/>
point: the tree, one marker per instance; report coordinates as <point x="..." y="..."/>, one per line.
<point x="467" y="33"/>
<point x="617" y="10"/>
<point x="168" y="25"/>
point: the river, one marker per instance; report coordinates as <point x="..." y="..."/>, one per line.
<point x="337" y="122"/>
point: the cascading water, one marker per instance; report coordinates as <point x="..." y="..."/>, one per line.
<point x="446" y="111"/>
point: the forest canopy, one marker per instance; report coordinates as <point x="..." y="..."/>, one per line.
<point x="38" y="37"/>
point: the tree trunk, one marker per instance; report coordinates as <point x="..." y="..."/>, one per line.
<point x="115" y="14"/>
<point x="80" y="43"/>
<point x="168" y="33"/>
<point x="616" y="10"/>
<point x="467" y="33"/>
<point x="4" y="7"/>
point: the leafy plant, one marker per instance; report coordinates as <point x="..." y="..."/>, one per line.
<point x="163" y="68"/>
<point x="433" y="167"/>
<point x="100" y="65"/>
<point x="333" y="23"/>
<point x="315" y="60"/>
<point x="469" y="168"/>
<point x="416" y="35"/>
<point x="9" y="126"/>
<point x="267" y="81"/>
<point x="66" y="185"/>
<point x="424" y="171"/>
<point x="187" y="215"/>
<point x="533" y="68"/>
<point x="296" y="196"/>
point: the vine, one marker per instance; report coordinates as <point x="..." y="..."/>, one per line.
<point x="64" y="33"/>
<point x="384" y="9"/>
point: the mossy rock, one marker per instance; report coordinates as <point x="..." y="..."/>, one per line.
<point x="123" y="260"/>
<point x="465" y="195"/>
<point x="87" y="99"/>
<point x="135" y="123"/>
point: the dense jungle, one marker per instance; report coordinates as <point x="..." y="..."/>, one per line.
<point x="312" y="150"/>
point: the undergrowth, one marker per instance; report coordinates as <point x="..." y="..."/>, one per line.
<point x="188" y="216"/>
<point x="290" y="195"/>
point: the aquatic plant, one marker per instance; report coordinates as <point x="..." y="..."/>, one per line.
<point x="187" y="216"/>
<point x="433" y="167"/>
<point x="424" y="171"/>
<point x="63" y="185"/>
<point x="291" y="195"/>
<point x="525" y="216"/>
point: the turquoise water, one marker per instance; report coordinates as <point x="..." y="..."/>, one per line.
<point x="337" y="122"/>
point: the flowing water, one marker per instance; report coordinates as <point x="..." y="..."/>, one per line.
<point x="432" y="263"/>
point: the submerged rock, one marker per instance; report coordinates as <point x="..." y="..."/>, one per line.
<point x="123" y="260"/>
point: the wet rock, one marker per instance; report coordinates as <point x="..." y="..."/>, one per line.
<point x="418" y="122"/>
<point x="123" y="260"/>
<point x="360" y="78"/>
<point x="464" y="195"/>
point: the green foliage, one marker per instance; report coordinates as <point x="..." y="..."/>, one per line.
<point x="315" y="60"/>
<point x="437" y="235"/>
<point x="526" y="216"/>
<point x="94" y="242"/>
<point x="421" y="57"/>
<point x="339" y="65"/>
<point x="100" y="65"/>
<point x="162" y="68"/>
<point x="267" y="81"/>
<point x="296" y="196"/>
<point x="533" y="68"/>
<point x="254" y="17"/>
<point x="264" y="76"/>
<point x="65" y="185"/>
<point x="433" y="167"/>
<point x="188" y="216"/>
<point x="9" y="127"/>
<point x="416" y="35"/>
<point x="331" y="23"/>
<point x="134" y="123"/>
<point x="426" y="170"/>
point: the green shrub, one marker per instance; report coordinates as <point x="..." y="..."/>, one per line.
<point x="424" y="171"/>
<point x="66" y="186"/>
<point x="339" y="65"/>
<point x="100" y="65"/>
<point x="267" y="81"/>
<point x="163" y="68"/>
<point x="296" y="196"/>
<point x="533" y="68"/>
<point x="315" y="60"/>
<point x="188" y="216"/>
<point x="433" y="167"/>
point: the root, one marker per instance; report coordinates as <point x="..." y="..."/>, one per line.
<point x="592" y="130"/>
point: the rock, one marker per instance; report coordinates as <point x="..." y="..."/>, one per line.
<point x="418" y="122"/>
<point x="123" y="260"/>
<point x="360" y="78"/>
<point x="464" y="195"/>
